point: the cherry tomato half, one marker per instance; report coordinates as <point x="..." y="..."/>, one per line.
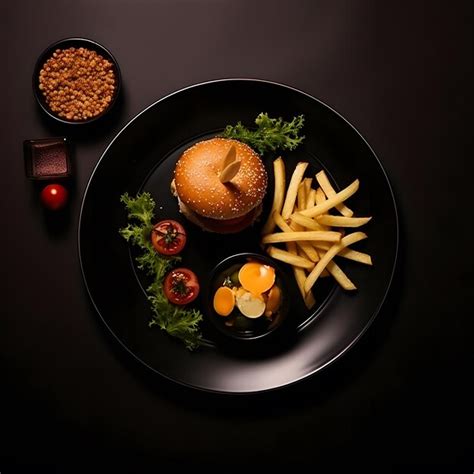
<point x="54" y="196"/>
<point x="181" y="286"/>
<point x="168" y="237"/>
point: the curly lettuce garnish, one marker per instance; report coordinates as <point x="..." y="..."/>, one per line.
<point x="271" y="134"/>
<point x="175" y="320"/>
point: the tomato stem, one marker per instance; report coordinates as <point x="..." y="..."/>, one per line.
<point x="180" y="288"/>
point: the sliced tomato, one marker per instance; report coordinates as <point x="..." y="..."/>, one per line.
<point x="181" y="286"/>
<point x="168" y="237"/>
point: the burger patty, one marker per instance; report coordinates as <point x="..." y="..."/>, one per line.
<point x="222" y="226"/>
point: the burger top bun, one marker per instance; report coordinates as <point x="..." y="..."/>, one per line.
<point x="199" y="186"/>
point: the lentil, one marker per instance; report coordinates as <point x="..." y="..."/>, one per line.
<point x="77" y="83"/>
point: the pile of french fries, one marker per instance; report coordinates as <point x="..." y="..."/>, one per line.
<point x="313" y="236"/>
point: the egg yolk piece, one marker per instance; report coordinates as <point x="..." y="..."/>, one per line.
<point x="257" y="278"/>
<point x="224" y="301"/>
<point x="274" y="299"/>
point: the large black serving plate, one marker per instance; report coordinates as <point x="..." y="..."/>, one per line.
<point x="142" y="157"/>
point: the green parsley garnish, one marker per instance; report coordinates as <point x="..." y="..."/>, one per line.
<point x="175" y="320"/>
<point x="271" y="134"/>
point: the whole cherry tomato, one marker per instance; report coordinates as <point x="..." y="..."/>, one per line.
<point x="54" y="196"/>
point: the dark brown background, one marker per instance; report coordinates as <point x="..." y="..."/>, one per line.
<point x="402" y="74"/>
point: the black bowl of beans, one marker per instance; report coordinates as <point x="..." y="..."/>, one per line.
<point x="76" y="80"/>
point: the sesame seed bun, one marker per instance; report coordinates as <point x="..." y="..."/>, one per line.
<point x="198" y="187"/>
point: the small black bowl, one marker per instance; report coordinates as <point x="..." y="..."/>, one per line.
<point x="254" y="329"/>
<point x="76" y="43"/>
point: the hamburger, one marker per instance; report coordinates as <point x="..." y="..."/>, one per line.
<point x="220" y="185"/>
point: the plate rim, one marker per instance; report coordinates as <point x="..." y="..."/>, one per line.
<point x="340" y="353"/>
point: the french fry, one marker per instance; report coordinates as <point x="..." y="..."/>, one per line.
<point x="340" y="276"/>
<point x="348" y="253"/>
<point x="356" y="256"/>
<point x="329" y="203"/>
<point x="323" y="181"/>
<point x="310" y="198"/>
<point x="291" y="247"/>
<point x="303" y="253"/>
<point x="290" y="258"/>
<point x="294" y="227"/>
<point x="325" y="272"/>
<point x="306" y="222"/>
<point x="309" y="300"/>
<point x="300" y="277"/>
<point x="301" y="197"/>
<point x="342" y="221"/>
<point x="305" y="246"/>
<point x="320" y="196"/>
<point x="307" y="185"/>
<point x="292" y="191"/>
<point x="309" y="295"/>
<point x="278" y="194"/>
<point x="329" y="255"/>
<point x="327" y="236"/>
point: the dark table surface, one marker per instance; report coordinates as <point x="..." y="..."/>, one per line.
<point x="402" y="74"/>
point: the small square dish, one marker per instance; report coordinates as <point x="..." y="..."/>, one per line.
<point x="47" y="158"/>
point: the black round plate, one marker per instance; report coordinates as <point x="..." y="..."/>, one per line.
<point x="142" y="157"/>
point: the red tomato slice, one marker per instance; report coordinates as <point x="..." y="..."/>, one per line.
<point x="168" y="237"/>
<point x="181" y="286"/>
